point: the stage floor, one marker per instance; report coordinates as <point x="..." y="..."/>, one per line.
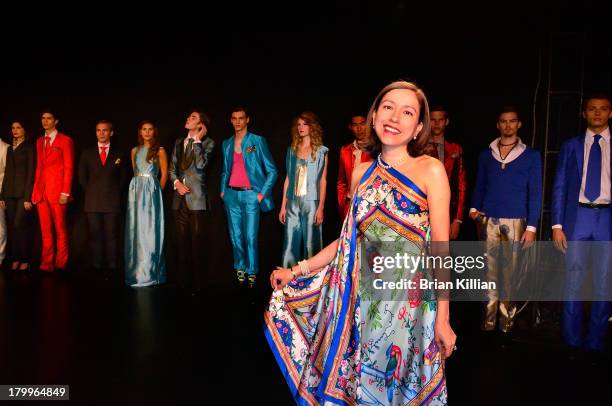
<point x="158" y="344"/>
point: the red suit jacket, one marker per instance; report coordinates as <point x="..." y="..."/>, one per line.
<point x="453" y="163"/>
<point x="53" y="170"/>
<point x="347" y="161"/>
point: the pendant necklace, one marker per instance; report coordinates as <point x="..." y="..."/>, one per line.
<point x="499" y="144"/>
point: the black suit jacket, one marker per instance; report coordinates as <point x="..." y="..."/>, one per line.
<point x="19" y="173"/>
<point x="103" y="184"/>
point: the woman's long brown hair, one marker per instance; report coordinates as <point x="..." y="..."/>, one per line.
<point x="154" y="147"/>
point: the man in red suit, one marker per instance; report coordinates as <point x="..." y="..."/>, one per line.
<point x="349" y="154"/>
<point x="52" y="192"/>
<point x="451" y="154"/>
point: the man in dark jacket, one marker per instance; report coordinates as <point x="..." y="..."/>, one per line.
<point x="102" y="175"/>
<point x="190" y="202"/>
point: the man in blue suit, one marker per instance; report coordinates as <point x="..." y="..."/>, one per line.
<point x="190" y="203"/>
<point x="581" y="212"/>
<point x="247" y="179"/>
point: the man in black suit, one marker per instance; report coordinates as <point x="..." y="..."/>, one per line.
<point x="102" y="175"/>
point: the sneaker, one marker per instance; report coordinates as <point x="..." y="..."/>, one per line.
<point x="252" y="280"/>
<point x="241" y="276"/>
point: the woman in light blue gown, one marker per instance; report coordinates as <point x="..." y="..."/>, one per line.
<point x="304" y="190"/>
<point x="144" y="225"/>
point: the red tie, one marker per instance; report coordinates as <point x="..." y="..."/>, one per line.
<point x="47" y="144"/>
<point x="103" y="155"/>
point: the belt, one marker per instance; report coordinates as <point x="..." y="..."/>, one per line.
<point x="239" y="188"/>
<point x="594" y="205"/>
<point x="148" y="175"/>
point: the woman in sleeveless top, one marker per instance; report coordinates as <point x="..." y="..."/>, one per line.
<point x="335" y="341"/>
<point x="304" y="190"/>
<point x="144" y="224"/>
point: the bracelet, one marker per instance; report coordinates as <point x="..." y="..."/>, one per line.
<point x="293" y="276"/>
<point x="304" y="269"/>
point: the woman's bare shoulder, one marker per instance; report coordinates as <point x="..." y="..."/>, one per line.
<point x="431" y="166"/>
<point x="359" y="171"/>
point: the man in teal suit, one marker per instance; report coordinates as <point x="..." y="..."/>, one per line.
<point x="247" y="179"/>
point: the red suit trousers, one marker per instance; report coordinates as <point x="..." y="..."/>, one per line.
<point x="52" y="217"/>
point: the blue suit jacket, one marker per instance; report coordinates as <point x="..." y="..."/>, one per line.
<point x="259" y="164"/>
<point x="566" y="188"/>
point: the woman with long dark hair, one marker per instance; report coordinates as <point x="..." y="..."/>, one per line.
<point x="144" y="225"/>
<point x="16" y="195"/>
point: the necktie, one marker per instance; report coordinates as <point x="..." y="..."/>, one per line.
<point x="189" y="146"/>
<point x="189" y="151"/>
<point x="47" y="144"/>
<point x="103" y="155"/>
<point x="592" y="187"/>
<point x="434" y="150"/>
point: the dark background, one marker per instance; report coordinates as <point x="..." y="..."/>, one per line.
<point x="96" y="60"/>
<point x="157" y="63"/>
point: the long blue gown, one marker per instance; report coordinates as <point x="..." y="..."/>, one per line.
<point x="144" y="225"/>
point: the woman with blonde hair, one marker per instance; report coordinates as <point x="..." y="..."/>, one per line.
<point x="304" y="190"/>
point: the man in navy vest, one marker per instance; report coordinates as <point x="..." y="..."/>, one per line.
<point x="581" y="212"/>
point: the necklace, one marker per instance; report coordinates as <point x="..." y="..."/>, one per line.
<point x="499" y="145"/>
<point x="507" y="145"/>
<point x="17" y="142"/>
<point x="393" y="165"/>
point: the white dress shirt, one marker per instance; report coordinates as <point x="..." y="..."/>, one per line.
<point x="103" y="145"/>
<point x="52" y="136"/>
<point x="604" y="142"/>
<point x="186" y="141"/>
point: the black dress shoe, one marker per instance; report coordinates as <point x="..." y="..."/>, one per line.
<point x="111" y="275"/>
<point x="505" y="340"/>
<point x="594" y="358"/>
<point x="63" y="273"/>
<point x="575" y="354"/>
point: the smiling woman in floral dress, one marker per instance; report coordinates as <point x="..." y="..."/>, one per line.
<point x="337" y="344"/>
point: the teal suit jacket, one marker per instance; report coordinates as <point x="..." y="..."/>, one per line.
<point x="259" y="164"/>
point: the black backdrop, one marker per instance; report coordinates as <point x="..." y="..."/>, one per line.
<point x="330" y="59"/>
